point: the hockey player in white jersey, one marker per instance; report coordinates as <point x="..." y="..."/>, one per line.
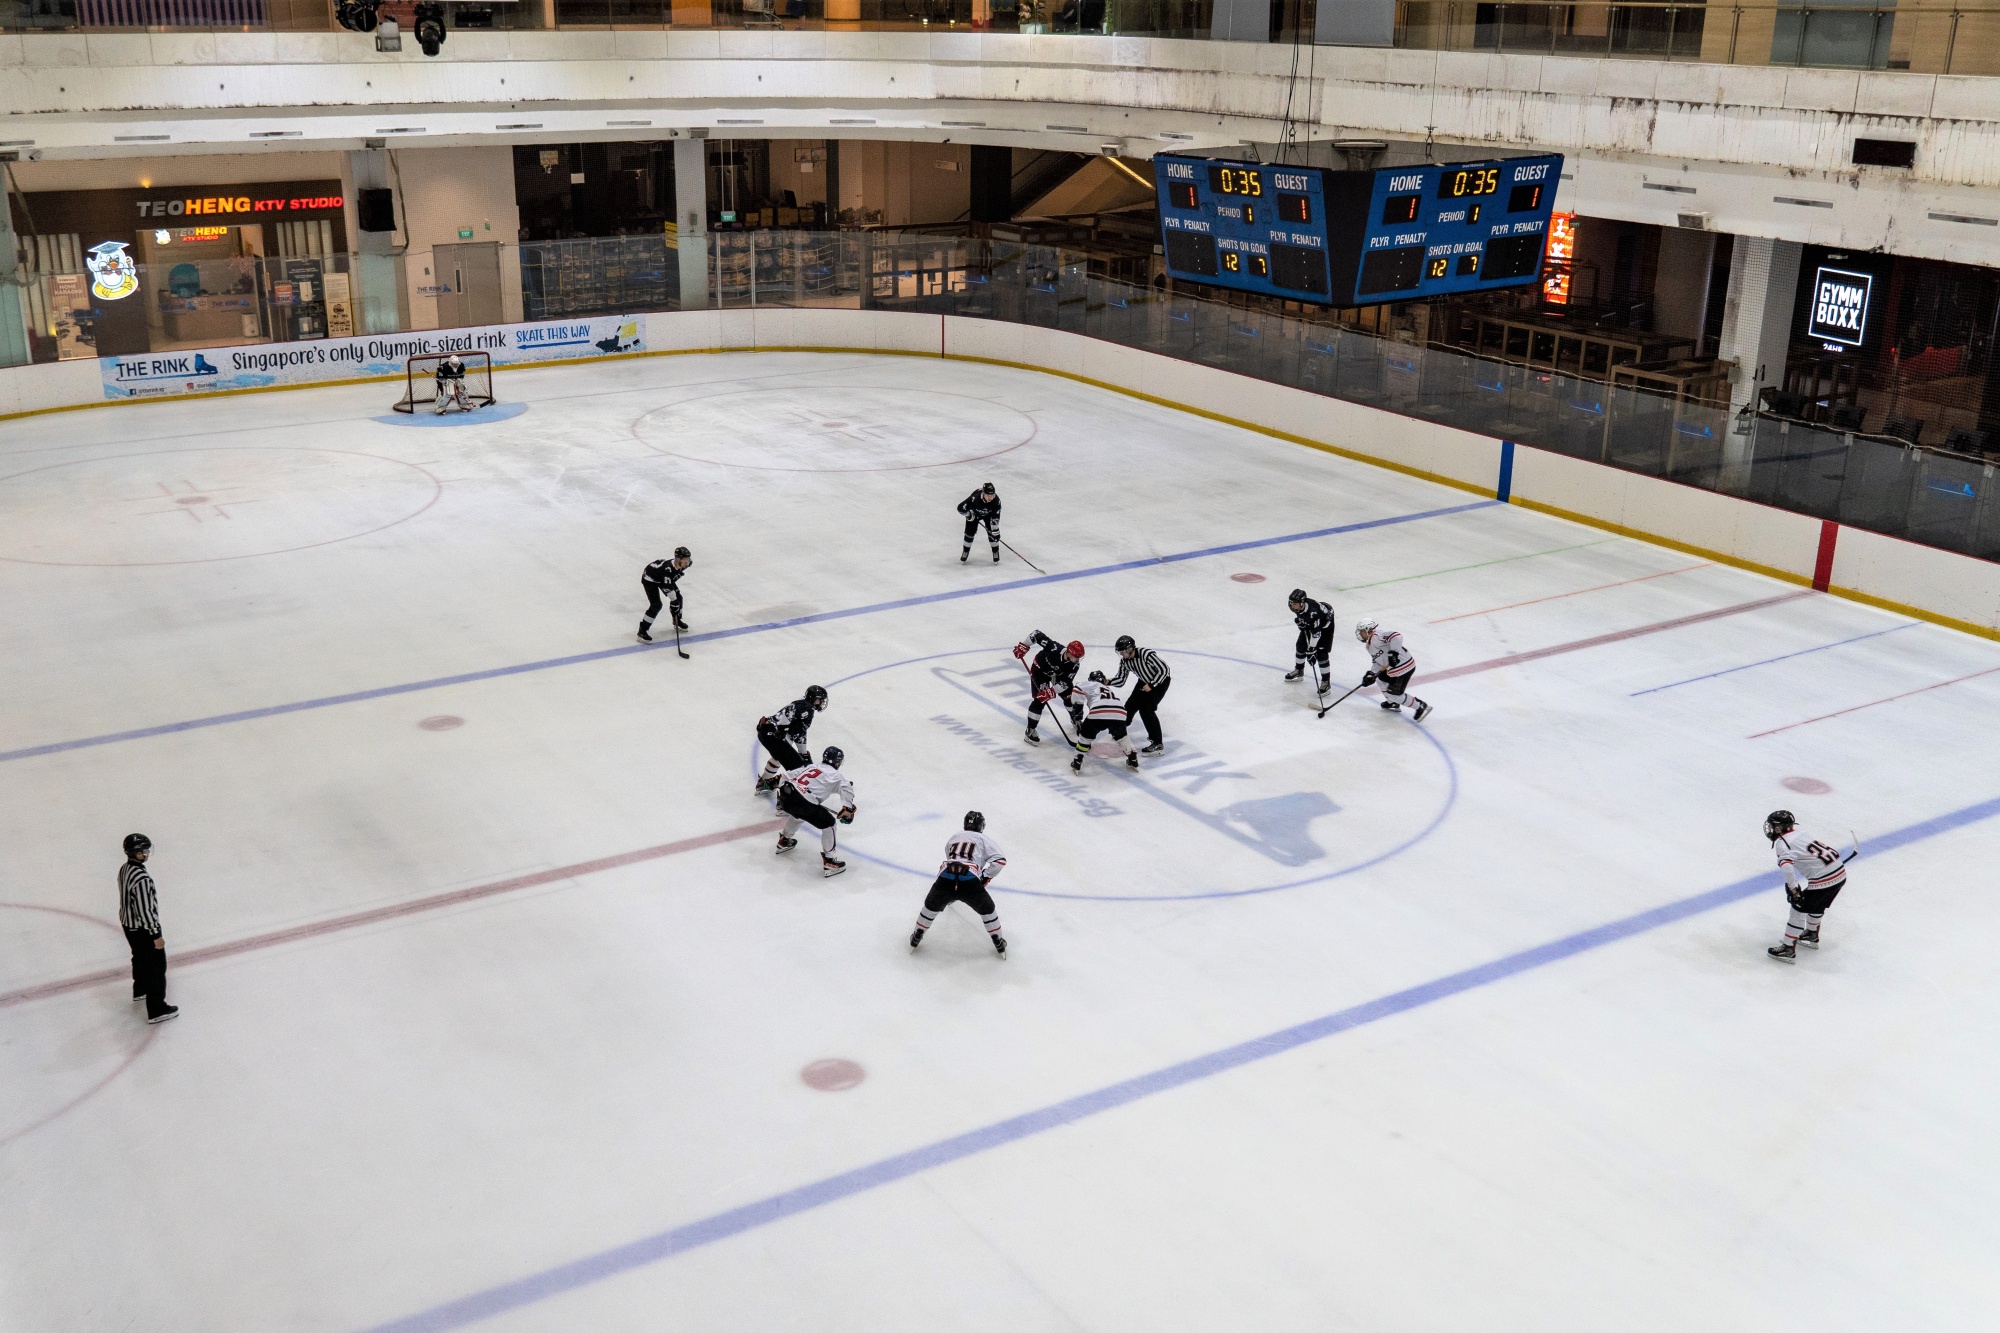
<point x="971" y="860"/>
<point x="820" y="795"/>
<point x="450" y="376"/>
<point x="1394" y="665"/>
<point x="1103" y="711"/>
<point x="1815" y="873"/>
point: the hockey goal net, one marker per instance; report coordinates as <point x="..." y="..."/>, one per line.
<point x="420" y="385"/>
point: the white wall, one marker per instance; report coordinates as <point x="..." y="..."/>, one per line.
<point x="445" y="191"/>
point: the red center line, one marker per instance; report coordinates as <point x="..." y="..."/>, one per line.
<point x="1858" y="707"/>
<point x="1578" y="593"/>
<point x="230" y="948"/>
<point x="1659" y="627"/>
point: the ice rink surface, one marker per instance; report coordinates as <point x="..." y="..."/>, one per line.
<point x="496" y="1001"/>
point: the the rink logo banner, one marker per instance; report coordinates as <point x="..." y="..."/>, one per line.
<point x="1840" y="307"/>
<point x="260" y="366"/>
<point x="1021" y="760"/>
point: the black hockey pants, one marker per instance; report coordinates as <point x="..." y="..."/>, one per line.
<point x="653" y="600"/>
<point x="1144" y="706"/>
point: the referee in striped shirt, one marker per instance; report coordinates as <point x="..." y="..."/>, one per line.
<point x="139" y="914"/>
<point x="1154" y="678"/>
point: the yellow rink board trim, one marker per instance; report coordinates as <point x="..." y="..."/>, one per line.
<point x="1638" y="534"/>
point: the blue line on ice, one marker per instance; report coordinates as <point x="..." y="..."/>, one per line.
<point x="576" y="659"/>
<point x="1786" y="657"/>
<point x="777" y="1207"/>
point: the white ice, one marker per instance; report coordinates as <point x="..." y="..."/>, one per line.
<point x="342" y="1130"/>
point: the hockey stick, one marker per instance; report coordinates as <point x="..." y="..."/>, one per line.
<point x="1856" y="850"/>
<point x="677" y="637"/>
<point x="1338" y="702"/>
<point x="1022" y="558"/>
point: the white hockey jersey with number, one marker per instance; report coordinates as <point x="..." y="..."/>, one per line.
<point x="1099" y="701"/>
<point x="1391" y="656"/>
<point x="822" y="785"/>
<point x="1809" y="863"/>
<point x="967" y="852"/>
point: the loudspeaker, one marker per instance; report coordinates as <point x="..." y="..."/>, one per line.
<point x="376" y="210"/>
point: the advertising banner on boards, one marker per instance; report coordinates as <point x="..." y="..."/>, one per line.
<point x="370" y="356"/>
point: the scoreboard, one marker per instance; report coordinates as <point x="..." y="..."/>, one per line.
<point x="1356" y="237"/>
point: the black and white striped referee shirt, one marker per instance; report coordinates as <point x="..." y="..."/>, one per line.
<point x="1152" y="671"/>
<point x="138" y="905"/>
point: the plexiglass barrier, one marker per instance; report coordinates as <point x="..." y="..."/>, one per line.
<point x="1938" y="499"/>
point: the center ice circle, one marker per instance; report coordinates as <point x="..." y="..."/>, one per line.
<point x="1269" y="798"/>
<point x="832" y="429"/>
<point x="190" y="506"/>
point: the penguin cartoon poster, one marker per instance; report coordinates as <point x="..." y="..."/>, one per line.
<point x="113" y="275"/>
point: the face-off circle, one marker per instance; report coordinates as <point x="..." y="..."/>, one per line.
<point x="832" y="429"/>
<point x="192" y="506"/>
<point x="832" y="1075"/>
<point x="1269" y="800"/>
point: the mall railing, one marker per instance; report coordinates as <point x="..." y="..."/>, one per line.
<point x="1922" y="494"/>
<point x="1940" y="38"/>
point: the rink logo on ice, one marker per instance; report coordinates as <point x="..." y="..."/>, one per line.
<point x="1215" y="793"/>
<point x="1018" y="758"/>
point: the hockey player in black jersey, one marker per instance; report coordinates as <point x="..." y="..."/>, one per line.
<point x="662" y="581"/>
<point x="783" y="736"/>
<point x="1051" y="673"/>
<point x="982" y="506"/>
<point x="1315" y="622"/>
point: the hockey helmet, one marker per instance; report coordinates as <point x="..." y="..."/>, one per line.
<point x="136" y="843"/>
<point x="832" y="756"/>
<point x="682" y="553"/>
<point x="816" y="696"/>
<point x="455" y="361"/>
<point x="1097" y="676"/>
<point x="1125" y="644"/>
<point x="988" y="489"/>
<point x="1075" y="650"/>
<point x="1778" y="823"/>
<point x="1298" y="597"/>
<point x="975" y="822"/>
<point x="1364" y="630"/>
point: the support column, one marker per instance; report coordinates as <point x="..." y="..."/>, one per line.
<point x="378" y="277"/>
<point x="15" y="349"/>
<point x="691" y="216"/>
<point x="1756" y="335"/>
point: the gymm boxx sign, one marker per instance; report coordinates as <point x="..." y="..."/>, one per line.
<point x="1840" y="307"/>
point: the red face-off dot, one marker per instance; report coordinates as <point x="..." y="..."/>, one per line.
<point x="442" y="722"/>
<point x="1806" y="786"/>
<point x="1246" y="578"/>
<point x="832" y="1075"/>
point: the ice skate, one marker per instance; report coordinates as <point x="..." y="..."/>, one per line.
<point x="916" y="938"/>
<point x="1296" y="673"/>
<point x="965" y="555"/>
<point x="1810" y="939"/>
<point x="996" y="557"/>
<point x="1031" y="738"/>
<point x="1156" y="747"/>
<point x="768" y="784"/>
<point x="644" y="636"/>
<point x="1423" y="711"/>
<point x="786" y="844"/>
<point x="830" y="866"/>
<point x="1784" y="953"/>
<point x="1391" y="706"/>
<point x="1132" y="762"/>
<point x="1076" y="764"/>
<point x="171" y="1011"/>
<point x="1000" y="945"/>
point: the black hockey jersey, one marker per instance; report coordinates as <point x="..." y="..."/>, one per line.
<point x="795" y="719"/>
<point x="663" y="573"/>
<point x="1051" y="664"/>
<point x="1315" y="621"/>
<point x="976" y="505"/>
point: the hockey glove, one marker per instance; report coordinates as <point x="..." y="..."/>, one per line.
<point x="1044" y="694"/>
<point x="1021" y="651"/>
<point x="846" y="816"/>
<point x="1795" y="895"/>
<point x="1368" y="679"/>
